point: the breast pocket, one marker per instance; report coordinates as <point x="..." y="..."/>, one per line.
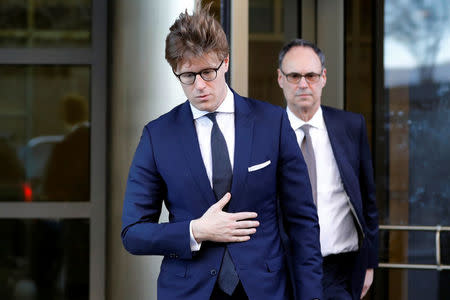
<point x="259" y="166"/>
<point x="260" y="177"/>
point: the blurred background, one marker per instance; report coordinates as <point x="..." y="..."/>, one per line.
<point x="80" y="78"/>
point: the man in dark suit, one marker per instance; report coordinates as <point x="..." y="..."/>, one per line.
<point x="220" y="162"/>
<point x="335" y="147"/>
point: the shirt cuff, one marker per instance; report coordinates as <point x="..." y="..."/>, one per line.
<point x="193" y="243"/>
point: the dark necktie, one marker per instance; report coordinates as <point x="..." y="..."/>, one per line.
<point x="310" y="159"/>
<point x="221" y="178"/>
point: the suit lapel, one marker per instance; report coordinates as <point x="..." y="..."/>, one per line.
<point x="242" y="150"/>
<point x="336" y="133"/>
<point x="187" y="136"/>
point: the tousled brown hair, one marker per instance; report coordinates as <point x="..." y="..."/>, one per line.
<point x="195" y="35"/>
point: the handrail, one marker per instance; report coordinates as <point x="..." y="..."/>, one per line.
<point x="438" y="228"/>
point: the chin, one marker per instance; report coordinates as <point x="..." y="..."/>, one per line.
<point x="205" y="107"/>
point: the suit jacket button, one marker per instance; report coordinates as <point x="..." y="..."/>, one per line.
<point x="171" y="255"/>
<point x="213" y="272"/>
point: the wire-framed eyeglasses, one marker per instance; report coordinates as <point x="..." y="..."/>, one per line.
<point x="295" y="78"/>
<point x="206" y="74"/>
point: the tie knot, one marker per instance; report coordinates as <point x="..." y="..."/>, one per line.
<point x="212" y="117"/>
<point x="305" y="128"/>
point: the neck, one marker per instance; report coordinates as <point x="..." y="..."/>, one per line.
<point x="305" y="114"/>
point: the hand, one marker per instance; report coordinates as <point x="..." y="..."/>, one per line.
<point x="367" y="282"/>
<point x="219" y="226"/>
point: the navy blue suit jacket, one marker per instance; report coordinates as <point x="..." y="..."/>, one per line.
<point x="348" y="138"/>
<point x="168" y="167"/>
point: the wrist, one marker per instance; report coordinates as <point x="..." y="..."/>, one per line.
<point x="197" y="231"/>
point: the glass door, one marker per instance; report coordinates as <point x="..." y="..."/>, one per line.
<point x="416" y="63"/>
<point x="397" y="75"/>
<point x="52" y="149"/>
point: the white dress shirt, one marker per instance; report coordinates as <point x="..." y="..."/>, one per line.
<point x="337" y="230"/>
<point x="203" y="126"/>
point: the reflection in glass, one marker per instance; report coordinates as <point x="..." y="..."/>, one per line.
<point x="407" y="247"/>
<point x="428" y="284"/>
<point x="45" y="23"/>
<point x="445" y="248"/>
<point x="215" y="8"/>
<point x="409" y="133"/>
<point x="261" y="16"/>
<point x="417" y="88"/>
<point x="267" y="35"/>
<point x="417" y="109"/>
<point x="44" y="133"/>
<point x="359" y="69"/>
<point x="44" y="259"/>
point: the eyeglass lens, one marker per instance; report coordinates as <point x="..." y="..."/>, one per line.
<point x="296" y="77"/>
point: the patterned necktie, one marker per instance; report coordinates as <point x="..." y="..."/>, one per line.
<point x="222" y="177"/>
<point x="310" y="159"/>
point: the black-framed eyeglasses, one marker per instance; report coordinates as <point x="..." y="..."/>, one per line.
<point x="206" y="74"/>
<point x="310" y="77"/>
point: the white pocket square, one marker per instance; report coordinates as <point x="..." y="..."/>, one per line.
<point x="259" y="166"/>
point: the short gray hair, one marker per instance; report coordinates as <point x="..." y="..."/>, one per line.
<point x="300" y="43"/>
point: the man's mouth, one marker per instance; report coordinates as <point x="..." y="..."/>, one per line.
<point x="303" y="93"/>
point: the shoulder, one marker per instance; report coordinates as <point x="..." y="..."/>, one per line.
<point x="264" y="106"/>
<point x="167" y="120"/>
<point x="260" y="109"/>
<point x="344" y="118"/>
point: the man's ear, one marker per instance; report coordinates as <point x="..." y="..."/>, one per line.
<point x="280" y="78"/>
<point x="324" y="77"/>
<point x="226" y="62"/>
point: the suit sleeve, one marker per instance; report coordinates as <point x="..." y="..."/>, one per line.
<point x="367" y="185"/>
<point x="141" y="233"/>
<point x="299" y="215"/>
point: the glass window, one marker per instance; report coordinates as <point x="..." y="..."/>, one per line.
<point x="45" y="23"/>
<point x="44" y="133"/>
<point x="359" y="47"/>
<point x="403" y="90"/>
<point x="426" y="284"/>
<point x="261" y="16"/>
<point x="266" y="38"/>
<point x="44" y="259"/>
<point x="408" y="247"/>
<point x="215" y="8"/>
<point x="417" y="91"/>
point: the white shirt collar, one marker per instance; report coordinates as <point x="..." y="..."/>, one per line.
<point x="316" y="121"/>
<point x="227" y="106"/>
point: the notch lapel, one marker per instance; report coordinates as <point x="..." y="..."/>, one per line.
<point x="335" y="130"/>
<point x="188" y="140"/>
<point x="242" y="150"/>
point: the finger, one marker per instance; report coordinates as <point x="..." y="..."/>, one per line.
<point x="363" y="293"/>
<point x="243" y="215"/>
<point x="238" y="239"/>
<point x="246" y="224"/>
<point x="223" y="201"/>
<point x="242" y="232"/>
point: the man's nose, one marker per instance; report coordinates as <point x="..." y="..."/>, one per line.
<point x="199" y="83"/>
<point x="303" y="83"/>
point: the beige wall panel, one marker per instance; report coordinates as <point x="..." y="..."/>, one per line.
<point x="143" y="87"/>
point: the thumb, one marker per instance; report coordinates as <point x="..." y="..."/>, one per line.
<point x="223" y="201"/>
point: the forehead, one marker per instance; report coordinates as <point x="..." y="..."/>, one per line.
<point x="196" y="63"/>
<point x="301" y="59"/>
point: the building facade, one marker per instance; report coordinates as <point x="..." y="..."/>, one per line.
<point x="80" y="78"/>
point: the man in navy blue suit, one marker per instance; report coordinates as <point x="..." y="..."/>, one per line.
<point x="335" y="147"/>
<point x="220" y="162"/>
